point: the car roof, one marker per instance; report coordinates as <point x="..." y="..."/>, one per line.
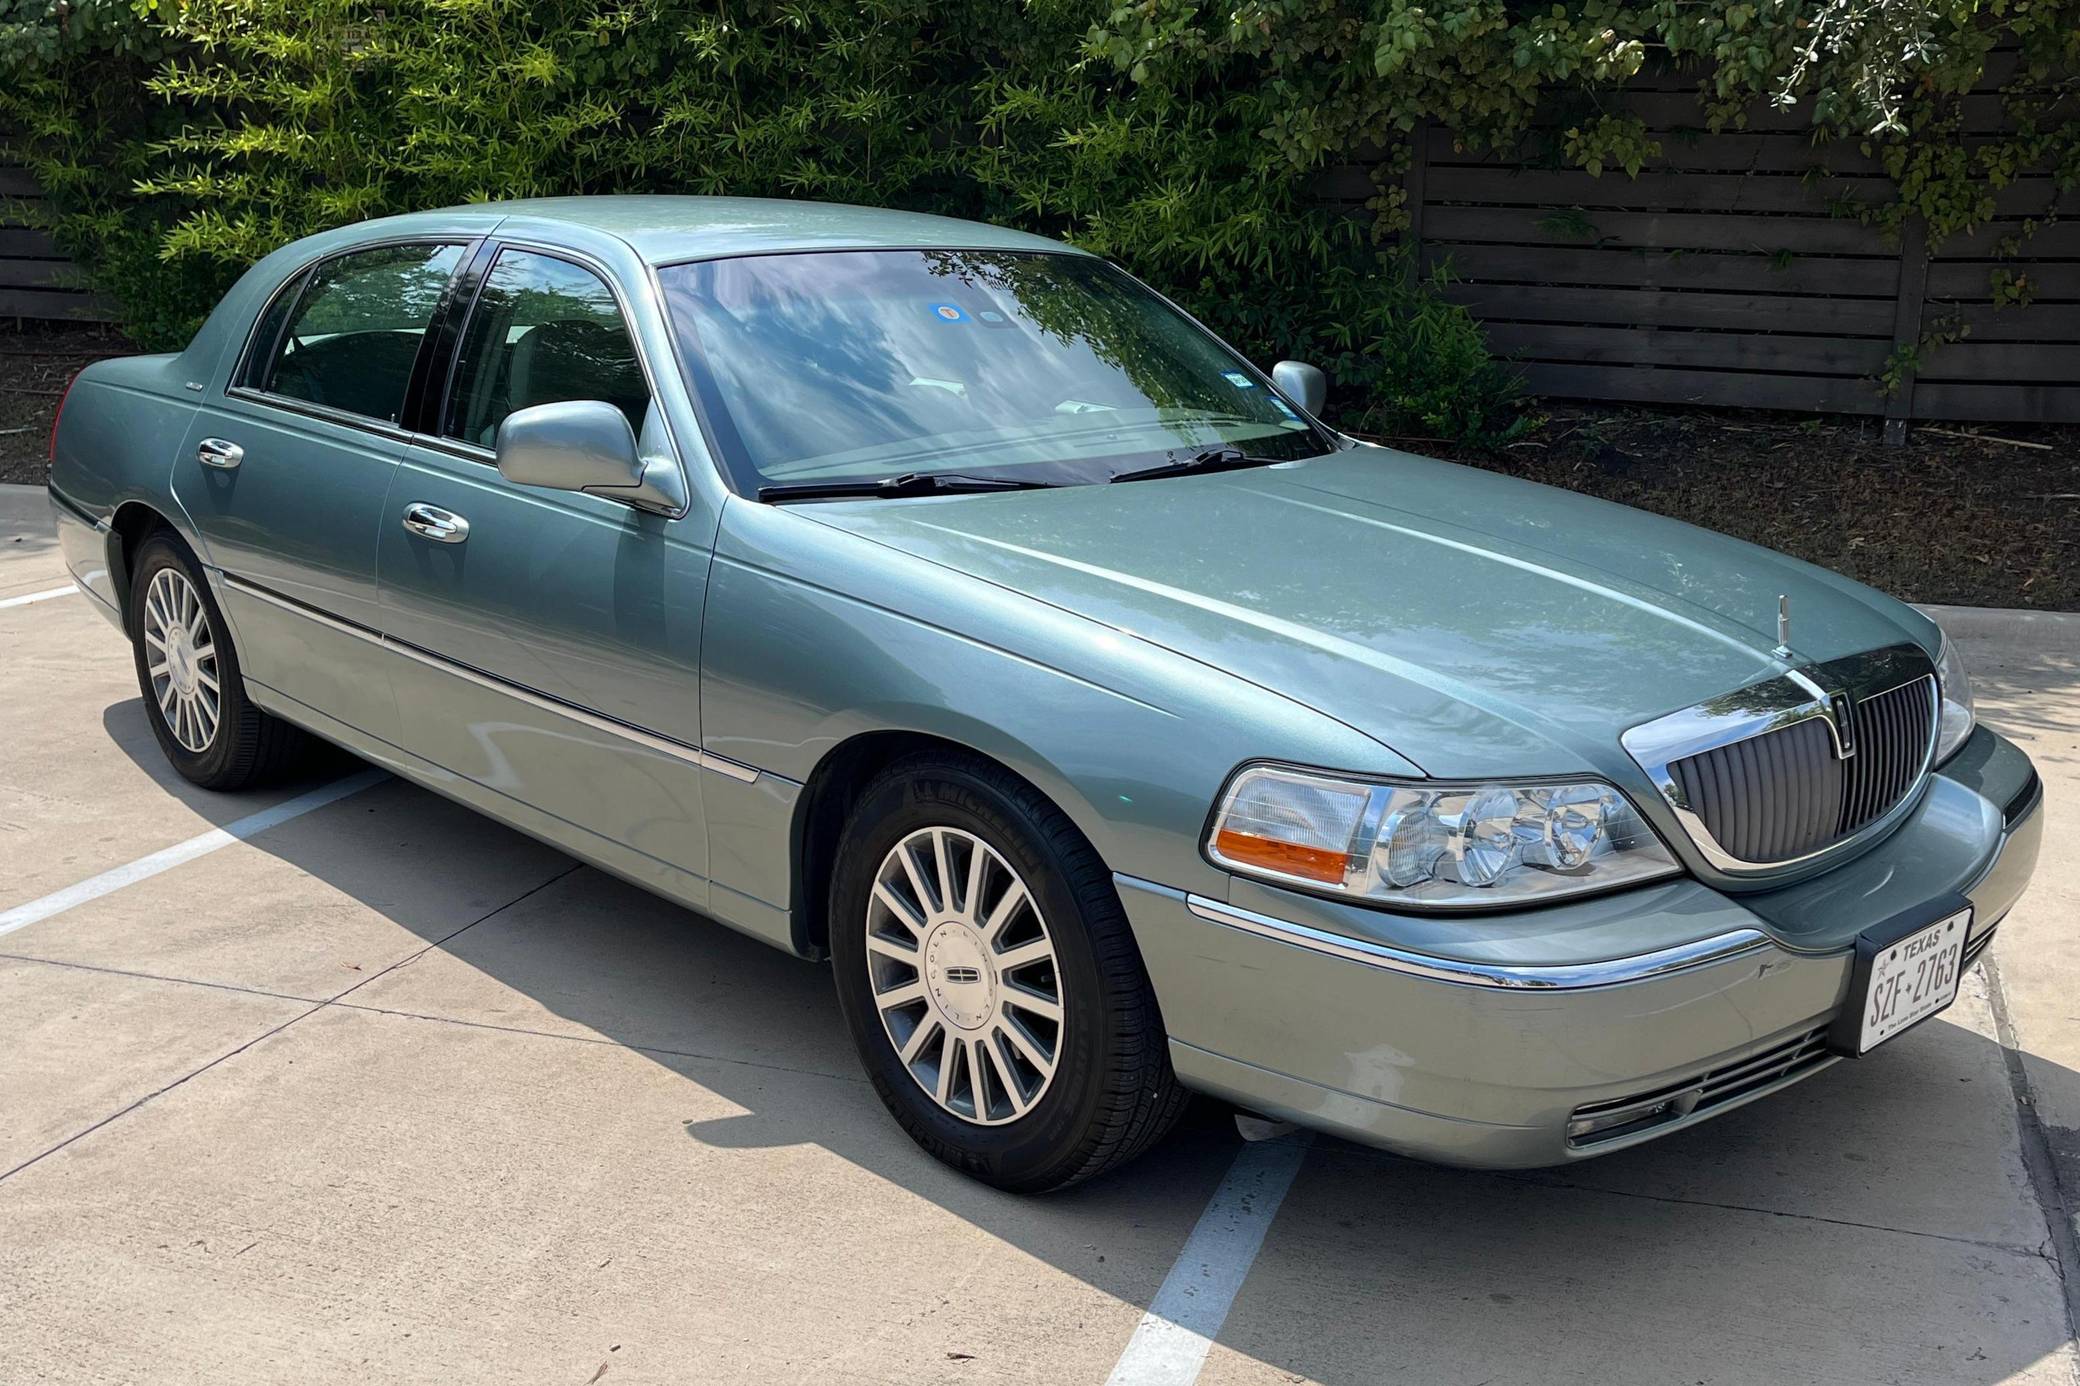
<point x="663" y="229"/>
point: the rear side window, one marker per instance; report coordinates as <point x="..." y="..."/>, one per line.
<point x="353" y="333"/>
<point x="543" y="331"/>
<point x="267" y="337"/>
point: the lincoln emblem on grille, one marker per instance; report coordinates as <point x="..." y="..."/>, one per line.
<point x="1839" y="706"/>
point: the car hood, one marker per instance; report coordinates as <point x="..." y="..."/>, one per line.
<point x="1475" y="623"/>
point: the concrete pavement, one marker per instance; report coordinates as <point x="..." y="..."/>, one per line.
<point x="387" y="1092"/>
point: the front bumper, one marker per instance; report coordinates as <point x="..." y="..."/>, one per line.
<point x="1674" y="1002"/>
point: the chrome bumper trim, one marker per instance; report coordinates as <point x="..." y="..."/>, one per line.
<point x="663" y="745"/>
<point x="1512" y="976"/>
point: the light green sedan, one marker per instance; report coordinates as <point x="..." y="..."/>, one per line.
<point x="938" y="600"/>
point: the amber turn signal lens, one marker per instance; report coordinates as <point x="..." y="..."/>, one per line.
<point x="1288" y="858"/>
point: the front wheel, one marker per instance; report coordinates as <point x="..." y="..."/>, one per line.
<point x="990" y="980"/>
<point x="187" y="669"/>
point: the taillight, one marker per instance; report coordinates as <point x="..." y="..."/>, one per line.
<point x="67" y="394"/>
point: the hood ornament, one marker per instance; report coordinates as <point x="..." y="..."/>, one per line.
<point x="1783" y="650"/>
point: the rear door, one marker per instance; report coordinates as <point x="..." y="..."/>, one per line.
<point x="286" y="475"/>
<point x="553" y="638"/>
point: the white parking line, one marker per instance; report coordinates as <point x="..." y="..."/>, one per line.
<point x="114" y="879"/>
<point x="67" y="590"/>
<point x="1170" y="1344"/>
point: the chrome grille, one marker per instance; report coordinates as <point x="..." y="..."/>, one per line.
<point x="1786" y="793"/>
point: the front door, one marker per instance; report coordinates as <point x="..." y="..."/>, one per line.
<point x="552" y="639"/>
<point x="286" y="475"/>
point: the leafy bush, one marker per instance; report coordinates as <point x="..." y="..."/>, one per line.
<point x="181" y="139"/>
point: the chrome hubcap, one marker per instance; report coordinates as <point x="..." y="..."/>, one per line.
<point x="181" y="659"/>
<point x="964" y="977"/>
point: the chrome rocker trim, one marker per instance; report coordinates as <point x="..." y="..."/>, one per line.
<point x="1510" y="976"/>
<point x="663" y="745"/>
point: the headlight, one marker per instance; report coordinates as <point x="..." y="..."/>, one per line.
<point x="1420" y="846"/>
<point x="1957" y="718"/>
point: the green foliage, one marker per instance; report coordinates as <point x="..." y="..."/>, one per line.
<point x="181" y="139"/>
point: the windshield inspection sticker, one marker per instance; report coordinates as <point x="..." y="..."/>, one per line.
<point x="1283" y="407"/>
<point x="1238" y="380"/>
<point x="949" y="312"/>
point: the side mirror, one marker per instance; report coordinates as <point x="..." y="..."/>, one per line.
<point x="585" y="445"/>
<point x="1304" y="383"/>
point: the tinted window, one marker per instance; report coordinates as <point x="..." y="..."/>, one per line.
<point x="356" y="329"/>
<point x="852" y="365"/>
<point x="544" y="330"/>
<point x="268" y="335"/>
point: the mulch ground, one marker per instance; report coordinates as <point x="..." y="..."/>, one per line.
<point x="1984" y="516"/>
<point x="36" y="362"/>
<point x="1974" y="515"/>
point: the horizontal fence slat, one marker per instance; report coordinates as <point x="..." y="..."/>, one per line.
<point x="2001" y="361"/>
<point x="1765" y="235"/>
<point x="27" y="241"/>
<point x="1997" y="403"/>
<point x="1681" y="110"/>
<point x="1762" y="351"/>
<point x="1983" y="113"/>
<point x="1738" y="152"/>
<point x="2051" y="240"/>
<point x="1965" y="279"/>
<point x="1700" y="192"/>
<point x="1725" y="389"/>
<point x="38" y="274"/>
<point x="17" y="182"/>
<point x="55" y="303"/>
<point x="1705" y="192"/>
<point x="1661" y="270"/>
<point x="2057" y="325"/>
<point x="1675" y="308"/>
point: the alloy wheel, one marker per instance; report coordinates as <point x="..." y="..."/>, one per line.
<point x="964" y="976"/>
<point x="181" y="659"/>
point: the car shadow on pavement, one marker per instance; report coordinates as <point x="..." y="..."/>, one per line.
<point x="1875" y="1223"/>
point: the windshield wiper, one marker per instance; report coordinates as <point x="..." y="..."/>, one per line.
<point x="1211" y="460"/>
<point x="905" y="484"/>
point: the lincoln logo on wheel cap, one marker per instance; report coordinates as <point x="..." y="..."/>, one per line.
<point x="963" y="974"/>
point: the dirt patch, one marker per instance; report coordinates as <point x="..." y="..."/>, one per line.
<point x="1975" y="520"/>
<point x="36" y="362"/>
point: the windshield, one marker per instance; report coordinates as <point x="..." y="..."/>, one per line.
<point x="1049" y="368"/>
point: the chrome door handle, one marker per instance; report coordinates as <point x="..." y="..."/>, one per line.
<point x="432" y="522"/>
<point x="217" y="452"/>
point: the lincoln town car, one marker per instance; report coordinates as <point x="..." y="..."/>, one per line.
<point x="939" y="602"/>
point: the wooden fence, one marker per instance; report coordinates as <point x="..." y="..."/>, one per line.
<point x="1733" y="271"/>
<point x="1725" y="273"/>
<point x="35" y="280"/>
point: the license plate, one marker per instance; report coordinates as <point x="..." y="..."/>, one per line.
<point x="1908" y="979"/>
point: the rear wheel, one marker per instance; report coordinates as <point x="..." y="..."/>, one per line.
<point x="188" y="672"/>
<point x="990" y="979"/>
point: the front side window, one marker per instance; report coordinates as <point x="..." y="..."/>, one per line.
<point x="1057" y="368"/>
<point x="543" y="331"/>
<point x="351" y="339"/>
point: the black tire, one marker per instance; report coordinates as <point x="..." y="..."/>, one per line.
<point x="1112" y="1094"/>
<point x="248" y="746"/>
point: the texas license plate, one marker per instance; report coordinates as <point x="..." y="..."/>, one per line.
<point x="1904" y="980"/>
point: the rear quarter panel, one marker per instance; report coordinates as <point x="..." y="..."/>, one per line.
<point x="120" y="429"/>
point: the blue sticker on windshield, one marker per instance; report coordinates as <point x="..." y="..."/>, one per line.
<point x="950" y="312"/>
<point x="1283" y="407"/>
<point x="1239" y="380"/>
